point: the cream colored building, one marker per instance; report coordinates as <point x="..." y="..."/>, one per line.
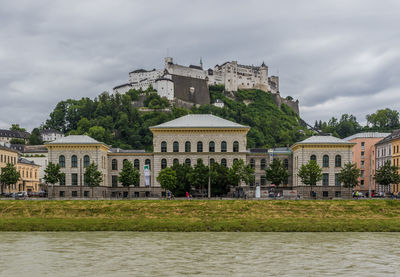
<point x="29" y="176"/>
<point x="331" y="154"/>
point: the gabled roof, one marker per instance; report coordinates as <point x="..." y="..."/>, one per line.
<point x="75" y="139"/>
<point x="199" y="121"/>
<point x="367" y="135"/>
<point x="390" y="137"/>
<point x="25" y="161"/>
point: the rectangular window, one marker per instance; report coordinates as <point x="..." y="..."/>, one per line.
<point x="263" y="180"/>
<point x="114" y="181"/>
<point x="362" y="145"/>
<point x="62" y="181"/>
<point x="337" y="182"/>
<point x="362" y="173"/>
<point x="325" y="194"/>
<point x="74" y="179"/>
<point x="86" y="193"/>
<point x="325" y="179"/>
<point x="62" y="193"/>
<point x="362" y="183"/>
<point x="362" y="154"/>
<point x="74" y="193"/>
<point x="362" y="164"/>
<point x="338" y="194"/>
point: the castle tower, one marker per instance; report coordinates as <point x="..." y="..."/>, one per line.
<point x="264" y="77"/>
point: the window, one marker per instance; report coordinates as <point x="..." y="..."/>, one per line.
<point x="325" y="179"/>
<point x="136" y="164"/>
<point x="313" y="158"/>
<point x="62" y="193"/>
<point x="148" y="162"/>
<point x="223" y="146"/>
<point x="325" y="194"/>
<point x="362" y="164"/>
<point x="338" y="194"/>
<point x="223" y="162"/>
<point x="114" y="164"/>
<point x="325" y="161"/>
<point x="85" y="182"/>
<point x="397" y="149"/>
<point x="62" y="180"/>
<point x="212" y="161"/>
<point x="211" y="146"/>
<point x="337" y="182"/>
<point x="263" y="164"/>
<point x="286" y="163"/>
<point x="338" y="161"/>
<point x="362" y="174"/>
<point x="74" y="179"/>
<point x="176" y="161"/>
<point x="124" y="161"/>
<point x="74" y="193"/>
<point x="61" y="161"/>
<point x="114" y="181"/>
<point x="362" y="183"/>
<point x="252" y="163"/>
<point x="188" y="162"/>
<point x="163" y="163"/>
<point x="175" y="146"/>
<point x="235" y="146"/>
<point x="362" y="145"/>
<point x="163" y="146"/>
<point x="74" y="161"/>
<point x="188" y="146"/>
<point x="199" y="146"/>
<point x="86" y="193"/>
<point x="362" y="154"/>
<point x="263" y="180"/>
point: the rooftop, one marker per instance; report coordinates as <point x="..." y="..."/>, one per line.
<point x="367" y="135"/>
<point x="25" y="161"/>
<point x="323" y="140"/>
<point x="119" y="150"/>
<point x="14" y="134"/>
<point x="199" y="121"/>
<point x="75" y="139"/>
<point x="390" y="137"/>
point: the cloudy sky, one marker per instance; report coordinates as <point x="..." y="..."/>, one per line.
<point x="334" y="56"/>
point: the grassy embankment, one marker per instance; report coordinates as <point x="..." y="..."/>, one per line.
<point x="229" y="215"/>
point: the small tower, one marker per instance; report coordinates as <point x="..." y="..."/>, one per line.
<point x="264" y="77"/>
<point x="201" y="63"/>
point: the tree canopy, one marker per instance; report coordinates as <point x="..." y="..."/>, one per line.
<point x="129" y="176"/>
<point x="53" y="174"/>
<point x="387" y="174"/>
<point x="310" y="173"/>
<point x="349" y="175"/>
<point x="276" y="173"/>
<point x="9" y="175"/>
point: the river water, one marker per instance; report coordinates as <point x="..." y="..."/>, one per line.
<point x="199" y="254"/>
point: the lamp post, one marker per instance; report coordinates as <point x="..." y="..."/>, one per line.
<point x="209" y="177"/>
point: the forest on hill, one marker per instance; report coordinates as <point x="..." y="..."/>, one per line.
<point x="111" y="118"/>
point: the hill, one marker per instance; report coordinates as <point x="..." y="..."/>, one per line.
<point x="114" y="119"/>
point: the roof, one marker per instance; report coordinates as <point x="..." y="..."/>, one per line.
<point x="8" y="149"/>
<point x="75" y="139"/>
<point x="367" y="135"/>
<point x="25" y="161"/>
<point x="199" y="121"/>
<point x="323" y="140"/>
<point x="390" y="137"/>
<point x="119" y="150"/>
<point x="195" y="67"/>
<point x="14" y="134"/>
<point x="163" y="79"/>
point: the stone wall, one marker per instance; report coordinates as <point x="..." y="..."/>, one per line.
<point x="292" y="104"/>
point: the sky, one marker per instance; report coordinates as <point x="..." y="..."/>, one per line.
<point x="334" y="56"/>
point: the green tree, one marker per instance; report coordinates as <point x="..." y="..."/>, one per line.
<point x="240" y="172"/>
<point x="198" y="177"/>
<point x="167" y="179"/>
<point x="276" y="173"/>
<point x="387" y="174"/>
<point x="9" y="176"/>
<point x="349" y="175"/>
<point x="17" y="141"/>
<point x="385" y="119"/>
<point x="129" y="176"/>
<point x="310" y="173"/>
<point x="35" y="138"/>
<point x="93" y="176"/>
<point x="53" y="175"/>
<point x="15" y="127"/>
<point x="219" y="178"/>
<point x="183" y="185"/>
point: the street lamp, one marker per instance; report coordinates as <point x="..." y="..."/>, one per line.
<point x="209" y="177"/>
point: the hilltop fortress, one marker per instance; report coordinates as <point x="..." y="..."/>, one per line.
<point x="189" y="84"/>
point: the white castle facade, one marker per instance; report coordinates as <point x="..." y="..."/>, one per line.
<point x="232" y="75"/>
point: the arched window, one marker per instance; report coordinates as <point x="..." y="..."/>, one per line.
<point x="252" y="163"/>
<point x="235" y="146"/>
<point x="313" y="158"/>
<point x="61" y="161"/>
<point x="338" y="161"/>
<point x="175" y="146"/>
<point x="176" y="161"/>
<point x="136" y="164"/>
<point x="263" y="164"/>
<point x="223" y="146"/>
<point x="286" y="163"/>
<point x="199" y="146"/>
<point x="74" y="161"/>
<point x="188" y="162"/>
<point x="223" y="162"/>
<point x="163" y="146"/>
<point x="325" y="161"/>
<point x="211" y="146"/>
<point x="235" y="160"/>
<point x="163" y="163"/>
<point x="124" y="161"/>
<point x="148" y="162"/>
<point x="86" y="161"/>
<point x="188" y="146"/>
<point x="212" y="161"/>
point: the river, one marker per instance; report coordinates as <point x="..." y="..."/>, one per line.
<point x="199" y="254"/>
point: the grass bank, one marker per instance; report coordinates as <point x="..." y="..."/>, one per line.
<point x="199" y="216"/>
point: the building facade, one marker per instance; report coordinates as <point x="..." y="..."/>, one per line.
<point x="50" y="135"/>
<point x="364" y="157"/>
<point x="7" y="135"/>
<point x="331" y="154"/>
<point x="29" y="176"/>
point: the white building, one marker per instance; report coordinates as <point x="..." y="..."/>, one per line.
<point x="51" y="134"/>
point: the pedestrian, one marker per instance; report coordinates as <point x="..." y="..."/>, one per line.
<point x="169" y="194"/>
<point x="187" y="195"/>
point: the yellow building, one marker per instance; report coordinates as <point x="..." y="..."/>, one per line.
<point x="395" y="160"/>
<point x="7" y="155"/>
<point x="29" y="180"/>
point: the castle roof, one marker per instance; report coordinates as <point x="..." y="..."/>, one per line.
<point x="199" y="121"/>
